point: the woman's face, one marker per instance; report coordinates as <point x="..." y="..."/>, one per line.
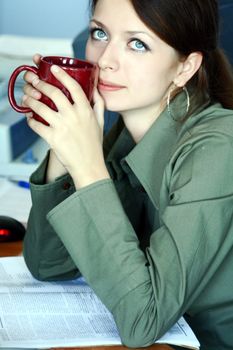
<point x="136" y="67"/>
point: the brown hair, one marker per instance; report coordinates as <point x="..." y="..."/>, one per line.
<point x="192" y="26"/>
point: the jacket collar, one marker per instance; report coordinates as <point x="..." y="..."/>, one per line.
<point x="149" y="157"/>
<point x="122" y="144"/>
<point x="145" y="162"/>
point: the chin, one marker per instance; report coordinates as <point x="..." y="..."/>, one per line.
<point x="112" y="107"/>
<point x="113" y="103"/>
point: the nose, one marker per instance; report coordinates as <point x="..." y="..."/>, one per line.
<point x="108" y="60"/>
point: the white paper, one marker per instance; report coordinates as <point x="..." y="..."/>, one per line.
<point x="36" y="314"/>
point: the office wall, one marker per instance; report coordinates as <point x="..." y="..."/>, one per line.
<point x="44" y="18"/>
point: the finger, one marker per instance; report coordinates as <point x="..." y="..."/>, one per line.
<point x="49" y="115"/>
<point x="36" y="58"/>
<point x="41" y="129"/>
<point x="30" y="91"/>
<point x="29" y="114"/>
<point x="56" y="95"/>
<point x="29" y="77"/>
<point x="98" y="107"/>
<point x="74" y="88"/>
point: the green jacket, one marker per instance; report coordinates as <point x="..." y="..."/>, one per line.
<point x="156" y="240"/>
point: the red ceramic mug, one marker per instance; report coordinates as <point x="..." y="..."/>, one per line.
<point x="82" y="71"/>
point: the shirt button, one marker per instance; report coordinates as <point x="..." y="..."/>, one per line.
<point x="66" y="185"/>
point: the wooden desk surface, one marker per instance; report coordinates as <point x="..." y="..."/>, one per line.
<point x="15" y="248"/>
<point x="10" y="249"/>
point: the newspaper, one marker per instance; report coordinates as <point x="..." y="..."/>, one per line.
<point x="36" y="314"/>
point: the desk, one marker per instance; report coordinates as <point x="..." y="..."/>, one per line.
<point x="10" y="249"/>
<point x="15" y="248"/>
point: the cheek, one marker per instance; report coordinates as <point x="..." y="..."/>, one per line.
<point x="93" y="53"/>
<point x="150" y="82"/>
<point x="157" y="77"/>
<point x="88" y="51"/>
<point x="141" y="70"/>
<point x="143" y="78"/>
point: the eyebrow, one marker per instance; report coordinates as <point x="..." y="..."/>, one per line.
<point x="131" y="32"/>
<point x="135" y="32"/>
<point x="97" y="22"/>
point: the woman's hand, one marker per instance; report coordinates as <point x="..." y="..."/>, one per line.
<point x="29" y="77"/>
<point x="55" y="167"/>
<point x="75" y="131"/>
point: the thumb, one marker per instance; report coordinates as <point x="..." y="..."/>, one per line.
<point x="98" y="108"/>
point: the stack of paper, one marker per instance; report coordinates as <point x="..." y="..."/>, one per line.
<point x="45" y="314"/>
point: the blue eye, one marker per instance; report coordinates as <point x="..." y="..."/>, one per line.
<point x="98" y="34"/>
<point x="138" y="45"/>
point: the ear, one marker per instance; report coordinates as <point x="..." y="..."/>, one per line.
<point x="188" y="68"/>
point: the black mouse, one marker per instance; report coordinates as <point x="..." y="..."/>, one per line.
<point x="10" y="229"/>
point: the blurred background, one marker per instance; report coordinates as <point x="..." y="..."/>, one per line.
<point x="44" y="18"/>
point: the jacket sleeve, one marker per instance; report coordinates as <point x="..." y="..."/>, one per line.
<point x="147" y="293"/>
<point x="44" y="253"/>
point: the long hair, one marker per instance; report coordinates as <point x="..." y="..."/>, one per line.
<point x="192" y="26"/>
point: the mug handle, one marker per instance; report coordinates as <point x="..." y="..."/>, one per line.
<point x="11" y="87"/>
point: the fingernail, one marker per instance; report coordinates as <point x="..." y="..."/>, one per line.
<point x="55" y="69"/>
<point x="24" y="98"/>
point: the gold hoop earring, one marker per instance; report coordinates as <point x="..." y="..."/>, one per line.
<point x="169" y="101"/>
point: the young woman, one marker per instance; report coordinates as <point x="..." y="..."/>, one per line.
<point x="145" y="215"/>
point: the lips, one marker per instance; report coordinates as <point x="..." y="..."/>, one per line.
<point x="109" y="86"/>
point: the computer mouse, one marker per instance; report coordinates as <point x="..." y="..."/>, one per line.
<point x="11" y="229"/>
